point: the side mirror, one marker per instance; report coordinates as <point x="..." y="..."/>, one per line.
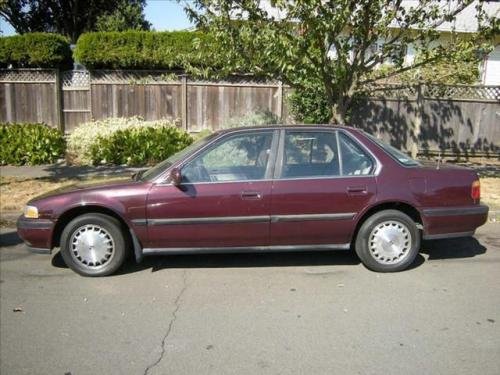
<point x="175" y="176"/>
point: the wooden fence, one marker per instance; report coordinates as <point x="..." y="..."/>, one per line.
<point x="426" y="119"/>
<point x="196" y="104"/>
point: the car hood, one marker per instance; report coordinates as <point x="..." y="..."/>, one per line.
<point x="86" y="187"/>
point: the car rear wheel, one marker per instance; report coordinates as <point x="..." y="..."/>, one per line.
<point x="93" y="245"/>
<point x="388" y="241"/>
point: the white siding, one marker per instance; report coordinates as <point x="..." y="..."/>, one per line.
<point x="492" y="68"/>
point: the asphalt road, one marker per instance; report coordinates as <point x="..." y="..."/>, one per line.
<point x="289" y="313"/>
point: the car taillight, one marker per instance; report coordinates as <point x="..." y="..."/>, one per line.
<point x="475" y="191"/>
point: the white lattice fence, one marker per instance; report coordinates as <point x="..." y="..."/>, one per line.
<point x="453" y="92"/>
<point x="462" y="92"/>
<point x="28" y="75"/>
<point x="390" y="91"/>
<point x="75" y="79"/>
<point x="151" y="77"/>
<point x="131" y="77"/>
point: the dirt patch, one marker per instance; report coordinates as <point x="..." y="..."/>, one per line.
<point x="490" y="192"/>
<point x="15" y="192"/>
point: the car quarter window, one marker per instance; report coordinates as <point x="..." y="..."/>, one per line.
<point x="239" y="157"/>
<point x="355" y="161"/>
<point x="310" y="153"/>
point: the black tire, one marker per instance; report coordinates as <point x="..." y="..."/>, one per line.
<point x="378" y="251"/>
<point x="79" y="254"/>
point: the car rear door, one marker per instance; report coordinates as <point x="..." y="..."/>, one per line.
<point x="224" y="199"/>
<point x="323" y="179"/>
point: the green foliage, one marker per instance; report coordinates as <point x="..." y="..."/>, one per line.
<point x="139" y="146"/>
<point x="308" y="104"/>
<point x="336" y="44"/>
<point x="256" y="118"/>
<point x="140" y="50"/>
<point x="30" y="144"/>
<point x="69" y="18"/>
<point x="200" y="135"/>
<point x="35" y="50"/>
<point x="128" y="15"/>
<point x="131" y="141"/>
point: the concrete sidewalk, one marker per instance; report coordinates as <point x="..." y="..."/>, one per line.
<point x="62" y="170"/>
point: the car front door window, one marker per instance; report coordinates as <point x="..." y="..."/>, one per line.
<point x="242" y="157"/>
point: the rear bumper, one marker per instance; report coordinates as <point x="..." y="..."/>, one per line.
<point x="36" y="234"/>
<point x="450" y="222"/>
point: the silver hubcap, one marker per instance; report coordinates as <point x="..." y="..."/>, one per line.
<point x="390" y="242"/>
<point x="92" y="246"/>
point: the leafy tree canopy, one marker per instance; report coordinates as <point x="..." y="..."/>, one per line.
<point x="129" y="15"/>
<point x="72" y="17"/>
<point x="340" y="45"/>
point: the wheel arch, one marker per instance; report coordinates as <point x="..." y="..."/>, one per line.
<point x="404" y="207"/>
<point x="74" y="212"/>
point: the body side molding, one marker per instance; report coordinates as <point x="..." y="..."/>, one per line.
<point x="244" y="249"/>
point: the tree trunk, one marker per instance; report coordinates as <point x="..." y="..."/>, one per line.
<point x="339" y="111"/>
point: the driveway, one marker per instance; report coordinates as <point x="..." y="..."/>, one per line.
<point x="288" y="313"/>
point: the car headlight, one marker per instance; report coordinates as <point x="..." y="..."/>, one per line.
<point x="31" y="212"/>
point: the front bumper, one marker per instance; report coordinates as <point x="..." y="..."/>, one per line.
<point x="36" y="234"/>
<point x="450" y="222"/>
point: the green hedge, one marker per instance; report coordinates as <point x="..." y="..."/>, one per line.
<point x="30" y="144"/>
<point x="131" y="141"/>
<point x="35" y="50"/>
<point x="139" y="146"/>
<point x="141" y="50"/>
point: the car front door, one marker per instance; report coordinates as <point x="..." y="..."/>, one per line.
<point x="223" y="200"/>
<point x="324" y="178"/>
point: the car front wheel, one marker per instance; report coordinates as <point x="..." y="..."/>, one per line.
<point x="93" y="245"/>
<point x="388" y="241"/>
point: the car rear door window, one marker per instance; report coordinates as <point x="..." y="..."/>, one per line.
<point x="310" y="154"/>
<point x="241" y="157"/>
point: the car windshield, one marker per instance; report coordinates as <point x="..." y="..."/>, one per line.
<point x="395" y="153"/>
<point x="155" y="171"/>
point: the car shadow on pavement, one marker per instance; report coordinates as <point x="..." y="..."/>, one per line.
<point x="453" y="248"/>
<point x="246" y="260"/>
<point x="243" y="260"/>
<point x="436" y="249"/>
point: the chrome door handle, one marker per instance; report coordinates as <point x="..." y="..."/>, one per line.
<point x="251" y="195"/>
<point x="357" y="190"/>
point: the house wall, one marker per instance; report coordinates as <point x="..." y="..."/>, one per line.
<point x="491" y="68"/>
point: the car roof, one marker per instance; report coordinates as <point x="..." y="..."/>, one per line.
<point x="289" y="126"/>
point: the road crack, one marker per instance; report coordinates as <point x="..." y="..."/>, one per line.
<point x="170" y="324"/>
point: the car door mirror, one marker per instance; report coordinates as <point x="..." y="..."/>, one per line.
<point x="176" y="176"/>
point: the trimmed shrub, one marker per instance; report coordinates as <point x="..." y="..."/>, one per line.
<point x="260" y="117"/>
<point x="309" y="105"/>
<point x="130" y="141"/>
<point x="35" y="50"/>
<point x="30" y="144"/>
<point x="140" y="49"/>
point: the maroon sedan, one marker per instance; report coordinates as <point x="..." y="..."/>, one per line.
<point x="280" y="188"/>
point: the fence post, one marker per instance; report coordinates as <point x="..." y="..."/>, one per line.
<point x="184" y="100"/>
<point x="280" y="100"/>
<point x="58" y="101"/>
<point x="418" y="121"/>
